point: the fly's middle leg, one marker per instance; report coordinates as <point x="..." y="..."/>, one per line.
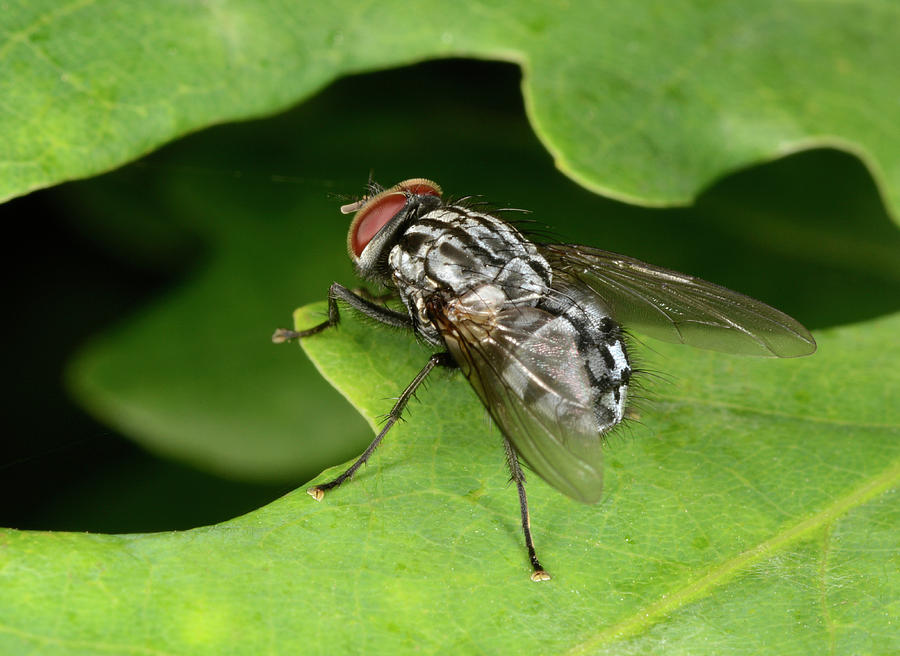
<point x="436" y="360"/>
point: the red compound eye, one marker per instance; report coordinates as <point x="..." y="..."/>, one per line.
<point x="372" y="218"/>
<point x="372" y="214"/>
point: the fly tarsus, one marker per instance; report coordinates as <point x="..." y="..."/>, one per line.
<point x="282" y="335"/>
<point x="316" y="493"/>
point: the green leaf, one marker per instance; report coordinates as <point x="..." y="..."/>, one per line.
<point x="648" y="102"/>
<point x="754" y="505"/>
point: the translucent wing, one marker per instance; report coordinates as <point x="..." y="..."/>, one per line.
<point x="526" y="367"/>
<point x="675" y="307"/>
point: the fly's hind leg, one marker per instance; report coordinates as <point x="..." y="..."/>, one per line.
<point x="338" y="292"/>
<point x="436" y="360"/>
<point x="518" y="476"/>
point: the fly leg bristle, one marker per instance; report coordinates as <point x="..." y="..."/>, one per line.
<point x="364" y="293"/>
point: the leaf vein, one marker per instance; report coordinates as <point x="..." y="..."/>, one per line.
<point x="729" y="569"/>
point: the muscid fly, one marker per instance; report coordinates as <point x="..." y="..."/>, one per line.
<point x="535" y="328"/>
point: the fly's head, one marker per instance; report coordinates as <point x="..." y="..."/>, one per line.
<point x="381" y="219"/>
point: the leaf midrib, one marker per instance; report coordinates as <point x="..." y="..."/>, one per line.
<point x="726" y="571"/>
<point x="768" y="412"/>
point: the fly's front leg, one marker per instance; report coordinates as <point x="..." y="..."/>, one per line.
<point x="518" y="476"/>
<point x="436" y="360"/>
<point x="338" y="292"/>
